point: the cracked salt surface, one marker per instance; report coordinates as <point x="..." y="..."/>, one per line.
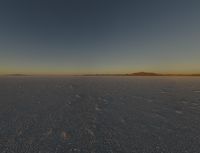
<point x="100" y="115"/>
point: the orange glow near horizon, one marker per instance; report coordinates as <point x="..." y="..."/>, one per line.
<point x="7" y="72"/>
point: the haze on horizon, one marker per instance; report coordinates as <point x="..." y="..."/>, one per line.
<point x="107" y="36"/>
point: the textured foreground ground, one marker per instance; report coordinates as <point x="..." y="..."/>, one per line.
<point x="100" y="115"/>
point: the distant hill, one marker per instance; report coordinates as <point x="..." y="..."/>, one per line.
<point x="145" y="74"/>
<point x="159" y="74"/>
<point x="142" y="74"/>
<point x="128" y="74"/>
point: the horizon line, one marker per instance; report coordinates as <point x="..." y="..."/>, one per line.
<point x="141" y="73"/>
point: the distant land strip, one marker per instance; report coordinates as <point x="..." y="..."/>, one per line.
<point x="143" y="74"/>
<point x="128" y="74"/>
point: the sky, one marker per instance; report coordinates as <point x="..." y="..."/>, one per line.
<point x="99" y="36"/>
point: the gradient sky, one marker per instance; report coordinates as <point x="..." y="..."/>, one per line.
<point x="99" y="36"/>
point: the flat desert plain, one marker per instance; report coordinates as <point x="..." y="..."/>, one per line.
<point x="99" y="114"/>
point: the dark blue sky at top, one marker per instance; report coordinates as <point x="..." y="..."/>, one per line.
<point x="72" y="36"/>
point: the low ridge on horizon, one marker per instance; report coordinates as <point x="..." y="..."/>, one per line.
<point x="142" y="73"/>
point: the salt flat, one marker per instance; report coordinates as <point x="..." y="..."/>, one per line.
<point x="99" y="114"/>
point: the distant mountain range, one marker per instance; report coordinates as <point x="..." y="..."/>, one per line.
<point x="129" y="74"/>
<point x="143" y="74"/>
<point x="159" y="74"/>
